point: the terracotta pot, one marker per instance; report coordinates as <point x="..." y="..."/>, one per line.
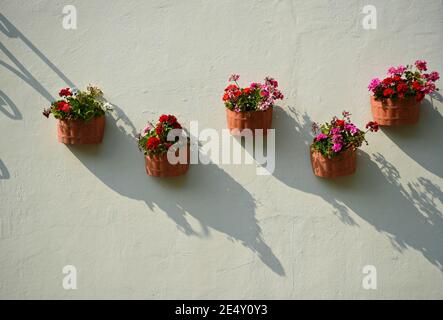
<point x="237" y="121"/>
<point x="344" y="164"/>
<point x="81" y="132"/>
<point x="159" y="166"/>
<point x="395" y="112"/>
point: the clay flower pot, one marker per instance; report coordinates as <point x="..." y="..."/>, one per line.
<point x="237" y="121"/>
<point x="159" y="166"/>
<point x="343" y="164"/>
<point x="395" y="112"/>
<point x="81" y="132"/>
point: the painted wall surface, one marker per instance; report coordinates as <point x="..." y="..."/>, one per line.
<point x="222" y="231"/>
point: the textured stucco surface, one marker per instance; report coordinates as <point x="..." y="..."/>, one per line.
<point x="223" y="231"/>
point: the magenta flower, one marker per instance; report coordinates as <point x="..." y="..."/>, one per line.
<point x="337" y="147"/>
<point x="234" y="77"/>
<point x="321" y="136"/>
<point x="264" y="92"/>
<point x="271" y="82"/>
<point x="374" y="84"/>
<point x="254" y="85"/>
<point x="351" y="128"/>
<point x="337" y="138"/>
<point x="421" y="65"/>
<point x="433" y="76"/>
<point x="399" y="70"/>
<point x="335" y="131"/>
<point x="429" y="87"/>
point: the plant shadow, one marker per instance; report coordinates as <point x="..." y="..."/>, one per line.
<point x="8" y="107"/>
<point x="4" y="173"/>
<point x="207" y="193"/>
<point x="407" y="214"/>
<point x="419" y="141"/>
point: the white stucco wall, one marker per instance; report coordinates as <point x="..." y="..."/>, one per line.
<point x="223" y="231"/>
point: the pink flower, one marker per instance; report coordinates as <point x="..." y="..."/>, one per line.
<point x="254" y="85"/>
<point x="337" y="138"/>
<point x="346" y="114"/>
<point x="374" y="84"/>
<point x="421" y="65"/>
<point x="335" y="131"/>
<point x="429" y="87"/>
<point x="271" y="82"/>
<point x="234" y="77"/>
<point x="264" y="92"/>
<point x="351" y="128"/>
<point x="237" y="109"/>
<point x="399" y="70"/>
<point x="148" y="128"/>
<point x="337" y="147"/>
<point x="321" y="136"/>
<point x="277" y="95"/>
<point x="433" y="76"/>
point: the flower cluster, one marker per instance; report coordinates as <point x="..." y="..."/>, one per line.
<point x="403" y="82"/>
<point x="75" y="104"/>
<point x="154" y="139"/>
<point x="339" y="135"/>
<point x="256" y="97"/>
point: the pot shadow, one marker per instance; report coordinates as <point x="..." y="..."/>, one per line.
<point x="406" y="213"/>
<point x="206" y="194"/>
<point x="5" y="104"/>
<point x="418" y="141"/>
<point x="4" y="173"/>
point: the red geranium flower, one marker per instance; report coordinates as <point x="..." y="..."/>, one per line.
<point x="416" y="85"/>
<point x="388" y="81"/>
<point x="402" y="87"/>
<point x="387" y="92"/>
<point x="153" y="143"/>
<point x="231" y="87"/>
<point x="247" y="90"/>
<point x="340" y="123"/>
<point x="163" y="118"/>
<point x="226" y="97"/>
<point x="159" y="129"/>
<point x="172" y="119"/>
<point x="372" y="126"/>
<point x="65" y="92"/>
<point x="63" y="106"/>
<point x="420" y="96"/>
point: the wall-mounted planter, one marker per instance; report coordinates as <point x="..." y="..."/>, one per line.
<point x="80" y="131"/>
<point x="343" y="164"/>
<point x="237" y="121"/>
<point x="390" y="112"/>
<point x="159" y="166"/>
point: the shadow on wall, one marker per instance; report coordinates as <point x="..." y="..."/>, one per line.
<point x="206" y="193"/>
<point x="4" y="173"/>
<point x="421" y="142"/>
<point x="407" y="214"/>
<point x="121" y="167"/>
<point x="19" y="70"/>
<point x="8" y="108"/>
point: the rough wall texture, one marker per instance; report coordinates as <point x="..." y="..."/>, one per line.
<point x="223" y="231"/>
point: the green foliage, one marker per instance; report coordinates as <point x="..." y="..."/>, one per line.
<point x="82" y="105"/>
